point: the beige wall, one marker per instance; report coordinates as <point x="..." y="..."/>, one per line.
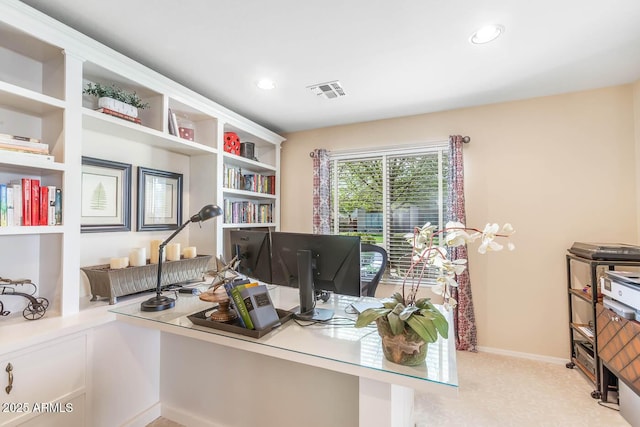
<point x="560" y="169"/>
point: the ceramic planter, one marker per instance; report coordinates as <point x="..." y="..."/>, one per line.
<point x="118" y="106"/>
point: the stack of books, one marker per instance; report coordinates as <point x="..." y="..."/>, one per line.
<point x="23" y="148"/>
<point x="119" y="115"/>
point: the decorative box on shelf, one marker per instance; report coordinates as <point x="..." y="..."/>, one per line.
<point x="111" y="283"/>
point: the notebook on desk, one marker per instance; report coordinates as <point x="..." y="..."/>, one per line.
<point x="360" y="306"/>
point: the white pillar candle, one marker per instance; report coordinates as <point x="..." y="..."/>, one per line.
<point x="173" y="252"/>
<point x="138" y="257"/>
<point x="189" y="252"/>
<point x="153" y="254"/>
<point x="121" y="262"/>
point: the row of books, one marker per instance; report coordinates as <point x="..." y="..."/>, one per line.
<point x="246" y="212"/>
<point x="252" y="303"/>
<point x="234" y="178"/>
<point x="25" y="202"/>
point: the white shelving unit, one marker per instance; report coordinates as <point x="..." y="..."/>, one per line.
<point x="44" y="67"/>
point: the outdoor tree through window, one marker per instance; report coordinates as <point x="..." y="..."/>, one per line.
<point x="384" y="196"/>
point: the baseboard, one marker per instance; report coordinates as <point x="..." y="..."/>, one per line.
<point x="530" y="356"/>
<point x="145" y="417"/>
<point x="186" y="418"/>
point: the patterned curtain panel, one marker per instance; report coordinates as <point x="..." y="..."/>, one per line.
<point x="321" y="192"/>
<point x="464" y="318"/>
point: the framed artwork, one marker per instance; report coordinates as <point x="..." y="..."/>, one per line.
<point x="105" y="196"/>
<point x="159" y="200"/>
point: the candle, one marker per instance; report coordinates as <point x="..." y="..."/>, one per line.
<point x="122" y="262"/>
<point x="155" y="248"/>
<point x="173" y="252"/>
<point x="138" y="257"/>
<point x="189" y="252"/>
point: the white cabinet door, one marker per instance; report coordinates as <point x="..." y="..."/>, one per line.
<point x="42" y="375"/>
<point x="67" y="413"/>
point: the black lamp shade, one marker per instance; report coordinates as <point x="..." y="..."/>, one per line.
<point x="207" y="212"/>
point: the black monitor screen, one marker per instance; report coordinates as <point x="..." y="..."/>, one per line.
<point x="254" y="252"/>
<point x="336" y="261"/>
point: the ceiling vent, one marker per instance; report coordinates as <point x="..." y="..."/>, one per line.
<point x="329" y="90"/>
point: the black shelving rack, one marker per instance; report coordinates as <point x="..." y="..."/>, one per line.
<point x="586" y="341"/>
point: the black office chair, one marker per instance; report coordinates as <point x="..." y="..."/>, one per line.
<point x="373" y="261"/>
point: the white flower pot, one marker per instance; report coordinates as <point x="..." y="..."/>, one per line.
<point x="119" y="106"/>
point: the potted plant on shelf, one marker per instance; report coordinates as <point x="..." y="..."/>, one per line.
<point x="406" y="324"/>
<point x="116" y="99"/>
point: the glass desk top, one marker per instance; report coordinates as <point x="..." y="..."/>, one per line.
<point x="337" y="344"/>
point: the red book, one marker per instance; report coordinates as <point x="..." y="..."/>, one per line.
<point x="44" y="205"/>
<point x="26" y="201"/>
<point x="35" y="202"/>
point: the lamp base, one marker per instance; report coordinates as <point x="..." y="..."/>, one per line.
<point x="157" y="303"/>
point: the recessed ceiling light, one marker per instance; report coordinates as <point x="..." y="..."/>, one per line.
<point x="486" y="34"/>
<point x="266" y="84"/>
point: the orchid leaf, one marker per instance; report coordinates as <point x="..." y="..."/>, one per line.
<point x="408" y="312"/>
<point x="396" y="324"/>
<point x="423" y="327"/>
<point x="370" y="315"/>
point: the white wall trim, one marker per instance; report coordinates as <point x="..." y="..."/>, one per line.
<point x="530" y="356"/>
<point x="145" y="417"/>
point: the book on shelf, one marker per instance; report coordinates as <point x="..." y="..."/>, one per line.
<point x="24" y="156"/>
<point x="3" y="205"/>
<point x="44" y="205"/>
<point x="10" y="206"/>
<point x="173" y="123"/>
<point x="35" y="202"/>
<point x="119" y="115"/>
<point x="16" y="185"/>
<point x="19" y="138"/>
<point x="260" y="307"/>
<point x="58" y="206"/>
<point x="28" y="147"/>
<point x="26" y="201"/>
<point x="51" y="205"/>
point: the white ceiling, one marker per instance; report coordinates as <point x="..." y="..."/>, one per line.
<point x="393" y="58"/>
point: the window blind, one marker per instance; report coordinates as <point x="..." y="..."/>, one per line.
<point x="383" y="197"/>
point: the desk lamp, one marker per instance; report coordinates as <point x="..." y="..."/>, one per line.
<point x="159" y="302"/>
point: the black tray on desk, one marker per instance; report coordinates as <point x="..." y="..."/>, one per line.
<point x="201" y="319"/>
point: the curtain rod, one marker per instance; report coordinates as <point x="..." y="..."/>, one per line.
<point x="465" y="139"/>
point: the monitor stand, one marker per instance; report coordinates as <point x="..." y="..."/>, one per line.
<point x="307" y="309"/>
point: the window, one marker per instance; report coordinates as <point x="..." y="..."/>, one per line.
<point x="382" y="196"/>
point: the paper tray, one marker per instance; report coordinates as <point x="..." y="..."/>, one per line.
<point x="201" y="319"/>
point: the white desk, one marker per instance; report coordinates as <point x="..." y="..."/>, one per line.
<point x="196" y="362"/>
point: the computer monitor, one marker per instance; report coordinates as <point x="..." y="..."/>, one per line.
<point x="253" y="250"/>
<point x="315" y="262"/>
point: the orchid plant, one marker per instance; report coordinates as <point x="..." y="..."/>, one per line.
<point x="402" y="310"/>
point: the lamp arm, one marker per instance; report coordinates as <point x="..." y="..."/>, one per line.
<point x="175" y="233"/>
<point x="160" y="253"/>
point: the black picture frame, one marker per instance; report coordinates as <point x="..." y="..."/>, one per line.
<point x="159" y="200"/>
<point x="105" y="195"/>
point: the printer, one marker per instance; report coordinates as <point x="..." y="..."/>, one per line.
<point x="621" y="291"/>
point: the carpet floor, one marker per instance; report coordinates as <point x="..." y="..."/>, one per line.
<point x="503" y="391"/>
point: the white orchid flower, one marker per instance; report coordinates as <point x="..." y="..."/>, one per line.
<point x="507" y="229"/>
<point x="488" y="239"/>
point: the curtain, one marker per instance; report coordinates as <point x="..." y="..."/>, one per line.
<point x="321" y="192"/>
<point x="464" y="318"/>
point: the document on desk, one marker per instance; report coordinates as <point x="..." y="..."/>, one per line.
<point x="360" y="306"/>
